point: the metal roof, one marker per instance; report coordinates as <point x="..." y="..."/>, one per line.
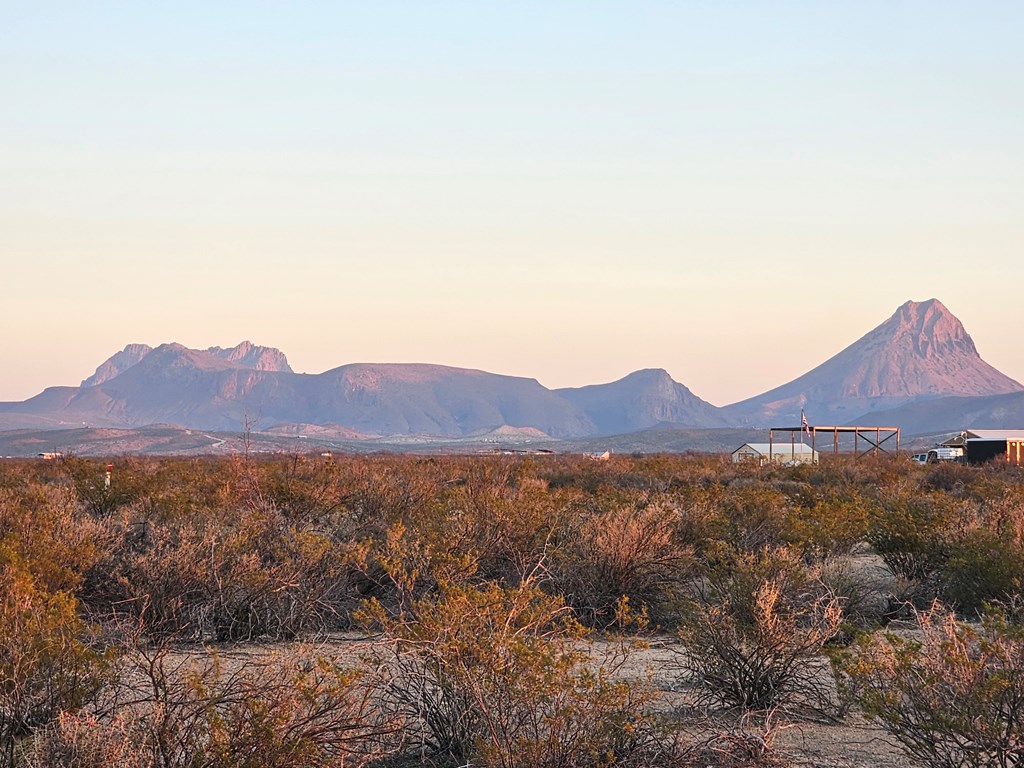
<point x="996" y="434"/>
<point x="989" y="434"/>
<point x="777" y="449"/>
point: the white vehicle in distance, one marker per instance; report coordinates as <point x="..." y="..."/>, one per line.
<point x="919" y="458"/>
<point x="935" y="455"/>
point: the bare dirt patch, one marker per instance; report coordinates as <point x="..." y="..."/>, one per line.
<point x="851" y="743"/>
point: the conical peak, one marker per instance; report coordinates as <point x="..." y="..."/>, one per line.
<point x="921" y="351"/>
<point x="916" y="312"/>
<point x="930" y="330"/>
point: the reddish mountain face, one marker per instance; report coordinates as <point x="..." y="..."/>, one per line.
<point x="921" y="352"/>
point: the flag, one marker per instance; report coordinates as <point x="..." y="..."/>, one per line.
<point x="804" y="424"/>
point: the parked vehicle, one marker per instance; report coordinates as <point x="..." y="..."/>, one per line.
<point x="919" y="458"/>
<point x="935" y="455"/>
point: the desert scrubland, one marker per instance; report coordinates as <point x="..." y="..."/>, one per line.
<point x="509" y="611"/>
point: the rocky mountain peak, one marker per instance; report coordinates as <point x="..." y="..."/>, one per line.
<point x="117" y="364"/>
<point x="249" y="355"/>
<point x="929" y="330"/>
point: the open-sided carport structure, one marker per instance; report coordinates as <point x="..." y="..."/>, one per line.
<point x="873" y="441"/>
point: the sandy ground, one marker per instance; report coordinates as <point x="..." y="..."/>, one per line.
<point x="853" y="743"/>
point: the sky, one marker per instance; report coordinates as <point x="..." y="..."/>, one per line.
<point x="567" y="190"/>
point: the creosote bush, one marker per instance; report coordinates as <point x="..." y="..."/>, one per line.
<point x="754" y="633"/>
<point x="48" y="664"/>
<point x="634" y="552"/>
<point x="954" y="697"/>
<point x="289" y="709"/>
<point x="499" y="676"/>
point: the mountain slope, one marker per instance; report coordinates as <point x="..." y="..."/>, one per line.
<point x="921" y="352"/>
<point x="643" y="399"/>
<point x="117" y="364"/>
<point x="391" y="398"/>
<point x="952" y="414"/>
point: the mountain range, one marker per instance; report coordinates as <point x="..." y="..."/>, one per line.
<point x="919" y="367"/>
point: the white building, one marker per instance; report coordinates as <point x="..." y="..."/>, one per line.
<point x="780" y="453"/>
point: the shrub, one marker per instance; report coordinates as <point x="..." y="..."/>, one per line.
<point x="502" y="518"/>
<point x="753" y="636"/>
<point x="88" y="477"/>
<point x="830" y="520"/>
<point x="54" y="542"/>
<point x="754" y="516"/>
<point x="633" y="552"/>
<point x="499" y="675"/>
<point x="47" y="665"/>
<point x="79" y="740"/>
<point x="982" y="567"/>
<point x="863" y="589"/>
<point x="292" y="709"/>
<point x="953" y="698"/>
<point x="751" y="742"/>
<point x="911" y="534"/>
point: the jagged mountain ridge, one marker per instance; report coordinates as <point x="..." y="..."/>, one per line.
<point x="919" y="355"/>
<point x="921" y="352"/>
<point x="244" y="355"/>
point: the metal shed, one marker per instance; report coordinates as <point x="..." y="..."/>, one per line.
<point x="779" y="453"/>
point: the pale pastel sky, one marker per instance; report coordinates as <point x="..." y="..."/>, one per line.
<point x="570" y="191"/>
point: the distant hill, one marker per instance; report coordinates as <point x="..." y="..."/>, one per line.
<point x="390" y="399"/>
<point x="920" y="353"/>
<point x="642" y="399"/>
<point x="161" y="440"/>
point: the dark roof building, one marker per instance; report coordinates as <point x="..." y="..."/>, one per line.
<point x="982" y="445"/>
